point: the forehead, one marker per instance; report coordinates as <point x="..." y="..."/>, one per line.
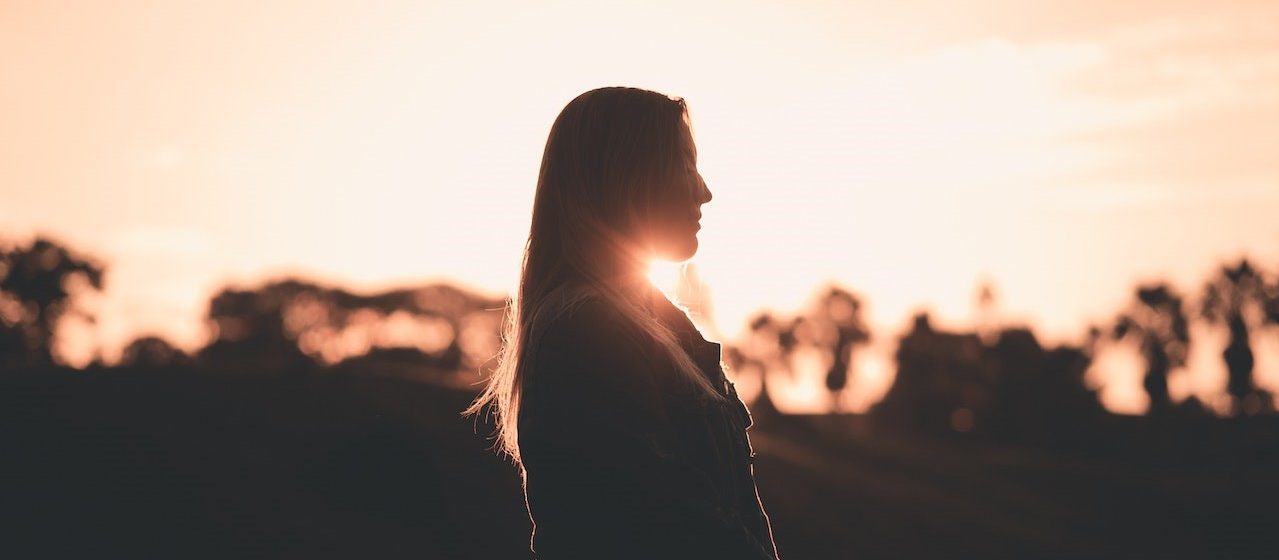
<point x="686" y="135"/>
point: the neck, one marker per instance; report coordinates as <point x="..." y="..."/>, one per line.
<point x="628" y="274"/>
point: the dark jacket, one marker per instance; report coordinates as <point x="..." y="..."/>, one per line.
<point x="620" y="461"/>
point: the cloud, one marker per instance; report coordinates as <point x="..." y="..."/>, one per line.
<point x="1188" y="64"/>
<point x="1190" y="101"/>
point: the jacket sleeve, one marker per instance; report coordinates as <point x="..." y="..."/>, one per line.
<point x="602" y="479"/>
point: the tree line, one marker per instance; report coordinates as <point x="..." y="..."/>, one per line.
<point x="991" y="378"/>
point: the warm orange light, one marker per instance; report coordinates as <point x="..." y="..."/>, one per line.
<point x="1064" y="162"/>
<point x="664" y="275"/>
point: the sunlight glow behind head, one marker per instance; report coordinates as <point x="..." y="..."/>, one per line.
<point x="664" y="275"/>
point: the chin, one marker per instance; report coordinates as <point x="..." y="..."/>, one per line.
<point x="680" y="253"/>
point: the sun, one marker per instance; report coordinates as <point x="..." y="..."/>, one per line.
<point x="664" y="275"/>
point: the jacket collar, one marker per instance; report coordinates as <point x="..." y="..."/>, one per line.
<point x="706" y="354"/>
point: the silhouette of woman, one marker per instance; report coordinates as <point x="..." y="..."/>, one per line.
<point x="630" y="440"/>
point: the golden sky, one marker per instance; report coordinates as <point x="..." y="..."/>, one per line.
<point x="1065" y="151"/>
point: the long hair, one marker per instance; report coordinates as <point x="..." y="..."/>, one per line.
<point x="610" y="155"/>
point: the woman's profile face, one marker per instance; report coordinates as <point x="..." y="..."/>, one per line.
<point x="677" y="217"/>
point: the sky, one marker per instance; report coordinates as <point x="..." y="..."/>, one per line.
<point x="910" y="152"/>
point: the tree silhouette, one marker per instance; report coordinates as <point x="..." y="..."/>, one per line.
<point x="739" y="361"/>
<point x="1158" y="319"/>
<point x="291" y="323"/>
<point x="35" y="296"/>
<point x="1270" y="302"/>
<point x="838" y="316"/>
<point x="152" y="351"/>
<point x="249" y="328"/>
<point x="1227" y="299"/>
<point x="769" y="346"/>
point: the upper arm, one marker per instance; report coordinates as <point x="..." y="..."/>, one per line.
<point x="591" y="374"/>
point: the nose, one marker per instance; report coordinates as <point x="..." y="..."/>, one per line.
<point x="704" y="192"/>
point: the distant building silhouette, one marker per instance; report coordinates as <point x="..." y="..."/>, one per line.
<point x="940" y="382"/>
<point x="1011" y="389"/>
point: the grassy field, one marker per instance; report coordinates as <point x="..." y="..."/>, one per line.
<point x="151" y="464"/>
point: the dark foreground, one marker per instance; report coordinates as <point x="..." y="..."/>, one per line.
<point x="174" y="464"/>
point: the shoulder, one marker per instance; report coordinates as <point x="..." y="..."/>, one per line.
<point x="592" y="337"/>
<point x="589" y="320"/>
